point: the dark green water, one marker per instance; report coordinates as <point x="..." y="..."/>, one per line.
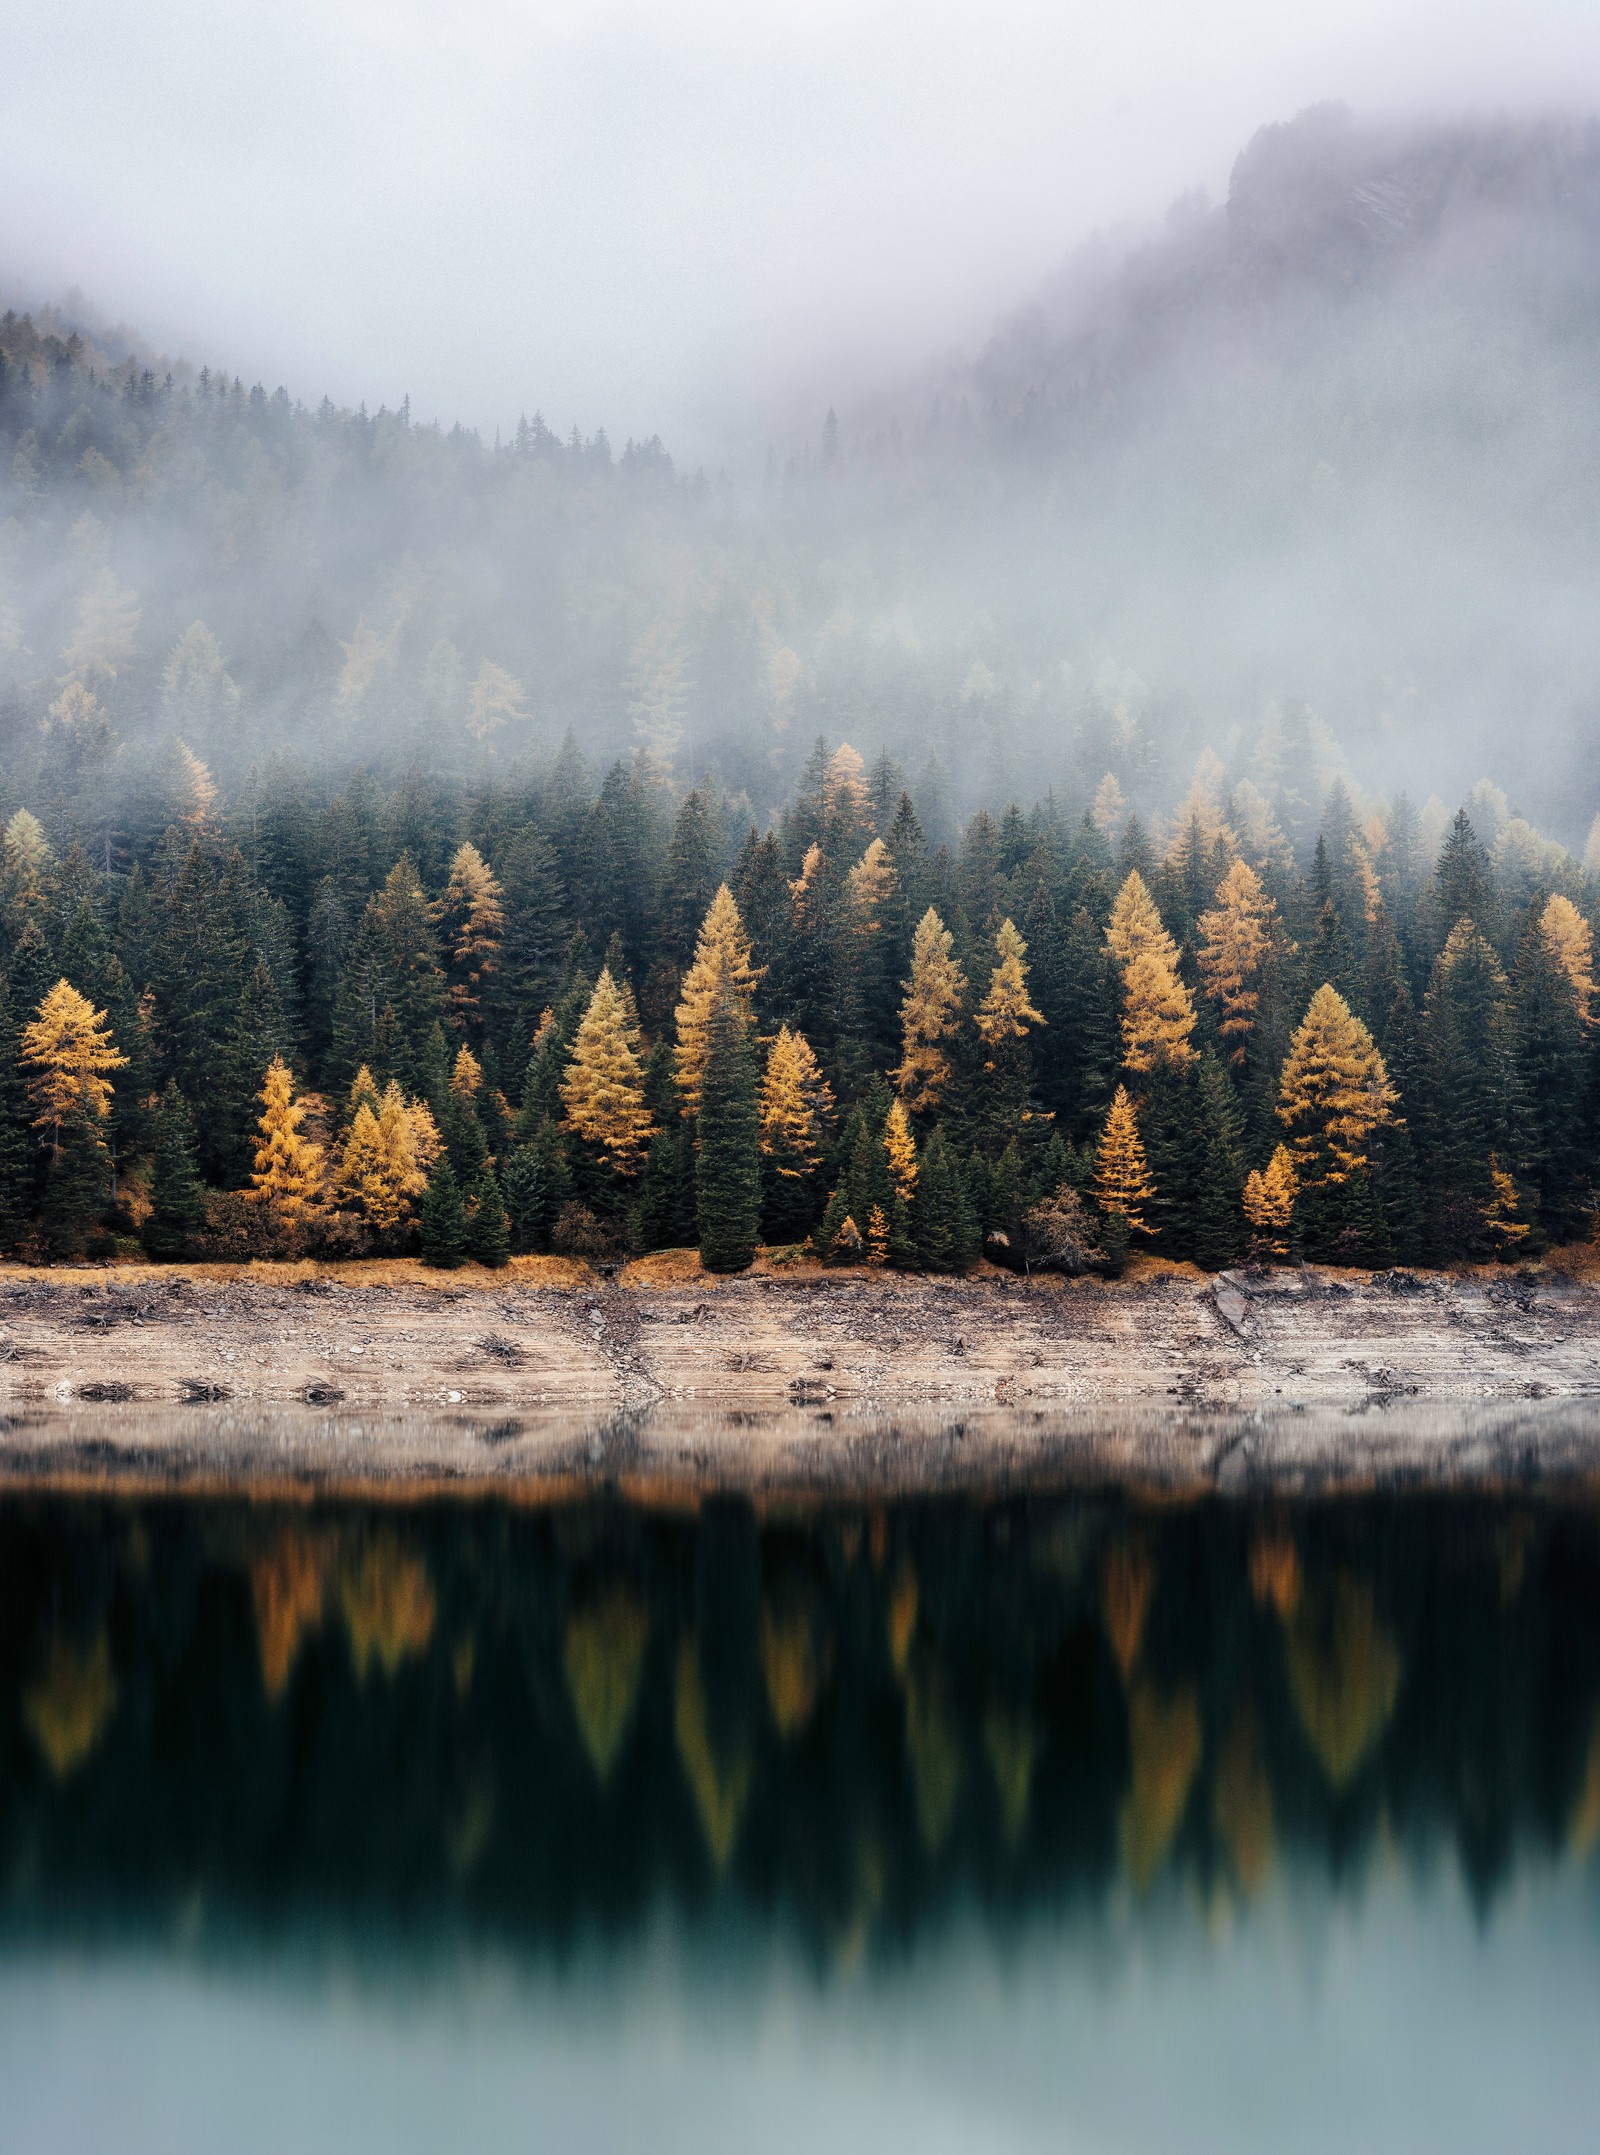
<point x="1051" y="1821"/>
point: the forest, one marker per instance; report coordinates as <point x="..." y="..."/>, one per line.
<point x="593" y="1014"/>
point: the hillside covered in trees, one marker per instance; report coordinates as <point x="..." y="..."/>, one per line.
<point x="588" y="1013"/>
<point x="1329" y="443"/>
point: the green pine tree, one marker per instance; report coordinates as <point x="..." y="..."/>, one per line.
<point x="728" y="1168"/>
<point x="177" y="1195"/>
<point x="488" y="1239"/>
<point x="443" y="1219"/>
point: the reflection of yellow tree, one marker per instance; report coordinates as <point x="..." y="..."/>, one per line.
<point x="287" y="1584"/>
<point x="1164" y="1755"/>
<point x="604" y="1656"/>
<point x="721" y="1788"/>
<point x="67" y="1709"/>
<point x="1241" y="1801"/>
<point x="902" y="1613"/>
<point x="795" y="1663"/>
<point x="1275" y="1572"/>
<point x="1127" y="1582"/>
<point x="1344" y="1674"/>
<point x="388" y="1605"/>
<point x="1010" y="1740"/>
<point x="933" y="1751"/>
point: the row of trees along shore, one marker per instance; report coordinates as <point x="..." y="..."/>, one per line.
<point x="547" y="1016"/>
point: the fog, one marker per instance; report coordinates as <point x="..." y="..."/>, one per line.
<point x="694" y="222"/>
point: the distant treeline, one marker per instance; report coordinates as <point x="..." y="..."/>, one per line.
<point x="601" y="1018"/>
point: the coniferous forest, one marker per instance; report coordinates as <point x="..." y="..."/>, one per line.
<point x="413" y="845"/>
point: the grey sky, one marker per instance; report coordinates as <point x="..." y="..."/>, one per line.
<point x="651" y="217"/>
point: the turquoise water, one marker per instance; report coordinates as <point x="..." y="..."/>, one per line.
<point x="1047" y="1821"/>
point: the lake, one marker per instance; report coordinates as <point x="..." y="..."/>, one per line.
<point x="1044" y="1817"/>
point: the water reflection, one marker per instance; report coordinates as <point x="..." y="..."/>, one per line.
<point x="534" y="1723"/>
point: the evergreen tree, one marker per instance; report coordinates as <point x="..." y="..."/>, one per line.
<point x="488" y="1239"/>
<point x="1470" y="1103"/>
<point x="177" y="1195"/>
<point x="1551" y="1006"/>
<point x="1216" y="1230"/>
<point x="1087" y="1044"/>
<point x="947" y="1238"/>
<point x="524" y="1187"/>
<point x="728" y="1167"/>
<point x="16" y="1146"/>
<point x="443" y="1222"/>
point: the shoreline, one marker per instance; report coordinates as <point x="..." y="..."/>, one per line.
<point x="389" y="1375"/>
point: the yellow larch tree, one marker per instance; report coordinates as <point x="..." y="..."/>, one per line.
<point x="1005" y="1014"/>
<point x="870" y="887"/>
<point x="1157" y="1016"/>
<point x="466" y="1074"/>
<point x="1570" y="941"/>
<point x="1237" y="936"/>
<point x="1135" y="926"/>
<point x="1269" y="1195"/>
<point x="288" y="1174"/>
<point x="844" y="785"/>
<point x="1334" y="1092"/>
<point x="900" y="1150"/>
<point x="796" y="1107"/>
<point x="67" y="1051"/>
<point x="722" y="966"/>
<point x="1122" y="1181"/>
<point x="389" y="1152"/>
<point x="603" y="1089"/>
<point x="473" y="917"/>
<point x="1109" y="806"/>
<point x="929" y="1015"/>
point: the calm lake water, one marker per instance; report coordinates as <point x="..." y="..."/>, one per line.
<point x="1051" y="1820"/>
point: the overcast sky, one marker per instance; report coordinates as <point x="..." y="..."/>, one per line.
<point x="649" y="217"/>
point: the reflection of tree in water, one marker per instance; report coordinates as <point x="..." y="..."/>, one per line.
<point x="551" y="1718"/>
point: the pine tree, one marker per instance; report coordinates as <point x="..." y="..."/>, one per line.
<point x="523" y="1185"/>
<point x="870" y="963"/>
<point x="472" y="919"/>
<point x="1553" y="1056"/>
<point x="1237" y="936"/>
<point x="722" y="967"/>
<point x="603" y="1090"/>
<point x="288" y="1175"/>
<point x="177" y="1195"/>
<point x="1122" y="1184"/>
<point x="929" y="1016"/>
<point x="1216" y="1235"/>
<point x="1087" y="1046"/>
<point x="392" y="988"/>
<point x="947" y="1238"/>
<point x="1333" y="1097"/>
<point x="728" y="1165"/>
<point x="443" y="1223"/>
<point x="1470" y="1100"/>
<point x="488" y="1239"/>
<point x="16" y="1146"/>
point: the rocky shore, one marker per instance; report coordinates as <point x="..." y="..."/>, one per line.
<point x="546" y="1369"/>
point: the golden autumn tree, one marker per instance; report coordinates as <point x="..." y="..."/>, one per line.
<point x="722" y="966"/>
<point x="1570" y="941"/>
<point x="900" y="1150"/>
<point x="1269" y="1195"/>
<point x="1135" y="925"/>
<point x="929" y="1015"/>
<point x="67" y="1052"/>
<point x="389" y="1153"/>
<point x="1237" y="934"/>
<point x="1122" y="1180"/>
<point x="473" y="919"/>
<point x="1158" y="1013"/>
<point x="796" y="1107"/>
<point x="1334" y="1093"/>
<point x="603" y="1089"/>
<point x="1005" y="1014"/>
<point x="289" y="1168"/>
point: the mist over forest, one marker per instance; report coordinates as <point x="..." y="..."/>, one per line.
<point x="1310" y="476"/>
